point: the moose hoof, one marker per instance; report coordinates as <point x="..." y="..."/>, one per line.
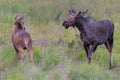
<point x="32" y="62"/>
<point x="111" y="67"/>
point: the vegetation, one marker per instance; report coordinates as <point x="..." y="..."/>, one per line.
<point x="58" y="53"/>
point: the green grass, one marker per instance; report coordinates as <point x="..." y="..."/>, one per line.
<point x="85" y="71"/>
<point x="53" y="60"/>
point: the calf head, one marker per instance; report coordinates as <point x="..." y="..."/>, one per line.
<point x="19" y="22"/>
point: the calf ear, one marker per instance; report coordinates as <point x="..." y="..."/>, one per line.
<point x="15" y="17"/>
<point x="22" y="18"/>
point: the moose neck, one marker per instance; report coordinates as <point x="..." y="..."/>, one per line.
<point x="80" y="27"/>
<point x="85" y="23"/>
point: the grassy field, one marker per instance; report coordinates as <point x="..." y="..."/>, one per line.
<point x="58" y="53"/>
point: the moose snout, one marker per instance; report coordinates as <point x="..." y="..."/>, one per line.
<point x="64" y="23"/>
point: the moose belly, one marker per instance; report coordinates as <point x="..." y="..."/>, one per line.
<point x="87" y="40"/>
<point x="101" y="40"/>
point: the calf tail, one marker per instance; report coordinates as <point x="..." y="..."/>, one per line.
<point x="26" y="42"/>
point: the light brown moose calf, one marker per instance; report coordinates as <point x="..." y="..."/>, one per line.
<point x="21" y="39"/>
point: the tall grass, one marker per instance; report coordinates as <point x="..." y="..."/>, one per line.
<point x="90" y="72"/>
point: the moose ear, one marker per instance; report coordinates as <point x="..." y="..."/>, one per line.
<point x="16" y="16"/>
<point x="22" y="18"/>
<point x="85" y="12"/>
<point x="79" y="13"/>
<point x="72" y="11"/>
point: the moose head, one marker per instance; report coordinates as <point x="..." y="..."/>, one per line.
<point x="73" y="16"/>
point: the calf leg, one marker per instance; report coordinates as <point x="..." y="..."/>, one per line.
<point x="30" y="51"/>
<point x="17" y="52"/>
<point x="92" y="50"/>
<point x="109" y="45"/>
<point x="22" y="54"/>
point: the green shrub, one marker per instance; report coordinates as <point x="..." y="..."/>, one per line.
<point x="37" y="54"/>
<point x="8" y="56"/>
<point x="90" y="72"/>
<point x="49" y="61"/>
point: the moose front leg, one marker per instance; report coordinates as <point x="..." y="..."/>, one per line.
<point x="87" y="49"/>
<point x="92" y="50"/>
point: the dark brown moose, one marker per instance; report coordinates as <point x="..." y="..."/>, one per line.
<point x="92" y="32"/>
<point x="21" y="39"/>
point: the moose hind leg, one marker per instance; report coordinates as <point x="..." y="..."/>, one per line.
<point x="109" y="45"/>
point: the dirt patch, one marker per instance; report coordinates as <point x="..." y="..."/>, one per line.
<point x="45" y="42"/>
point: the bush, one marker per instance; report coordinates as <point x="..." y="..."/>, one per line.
<point x="90" y="72"/>
<point x="8" y="56"/>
